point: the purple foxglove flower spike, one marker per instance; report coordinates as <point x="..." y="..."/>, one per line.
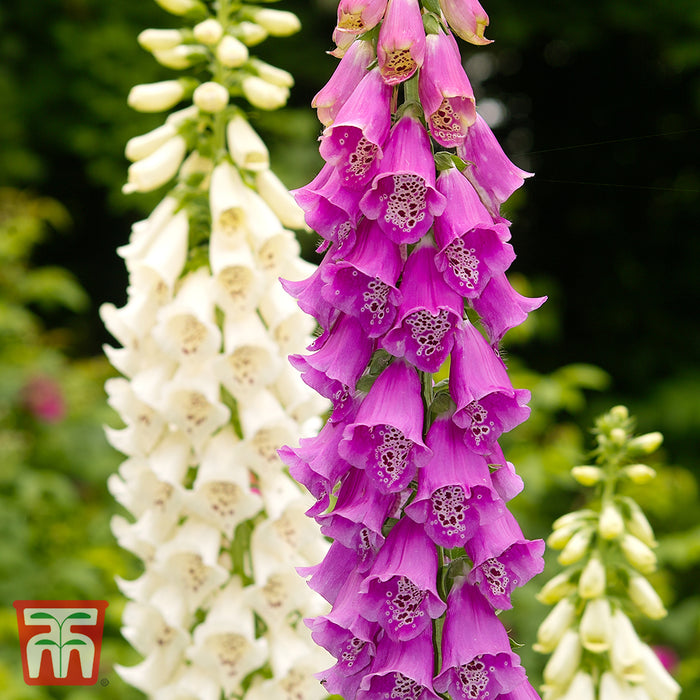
<point x="359" y="16"/>
<point x="345" y="79"/>
<point x="503" y="560"/>
<point x="487" y="404"/>
<point x="401" y="670"/>
<point x="386" y="437"/>
<point x="399" y="590"/>
<point x="363" y="283"/>
<point x="472" y="247"/>
<point x="477" y="661"/>
<point x="467" y="19"/>
<point x="403" y="198"/>
<point x="428" y="315"/>
<point x="492" y="173"/>
<point x="353" y="143"/>
<point x="454" y="494"/>
<point x="502" y="308"/>
<point x="401" y="46"/>
<point x="445" y="91"/>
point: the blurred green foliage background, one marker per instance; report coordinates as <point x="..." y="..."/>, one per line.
<point x="600" y="99"/>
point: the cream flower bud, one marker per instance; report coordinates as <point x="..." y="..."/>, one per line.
<point x="587" y="475"/>
<point x="576" y="547"/>
<point x="247" y="149"/>
<point x="272" y="74"/>
<point x="276" y="22"/>
<point x="638" y="554"/>
<point x="626" y="649"/>
<point x="595" y="627"/>
<point x="159" y="39"/>
<point x="564" y="661"/>
<point x="179" y="7"/>
<point x="639" y="473"/>
<point x="620" y="412"/>
<point x="646" y="444"/>
<point x="644" y="596"/>
<point x="208" y="32"/>
<point x="250" y="33"/>
<point x="591" y="584"/>
<point x="262" y="94"/>
<point x="141" y="146"/>
<point x="277" y="197"/>
<point x="159" y="167"/>
<point x="231" y="52"/>
<point x="555" y="589"/>
<point x="618" y="436"/>
<point x="611" y="524"/>
<point x="559" y="619"/>
<point x="180" y="57"/>
<point x="638" y="525"/>
<point x="657" y="681"/>
<point x="559" y="537"/>
<point x="211" y="97"/>
<point x="156" y="97"/>
<point x="574" y="517"/>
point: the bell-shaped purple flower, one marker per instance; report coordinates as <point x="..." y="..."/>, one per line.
<point x="330" y="209"/>
<point x="399" y="590"/>
<point x="401" y="670"/>
<point x="467" y="19"/>
<point x="428" y="314"/>
<point x="345" y="78"/>
<point x="359" y="16"/>
<point x="503" y="560"/>
<point x="329" y="577"/>
<point x="477" y="661"/>
<point x="492" y="173"/>
<point x="454" y="495"/>
<point x="401" y="45"/>
<point x="403" y="198"/>
<point x="386" y="437"/>
<point x="502" y="308"/>
<point x="487" y="403"/>
<point x="504" y="478"/>
<point x="445" y="91"/>
<point x="331" y="370"/>
<point x="472" y="248"/>
<point x="363" y="283"/>
<point x="353" y="143"/>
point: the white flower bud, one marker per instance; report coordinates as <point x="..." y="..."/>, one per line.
<point x="591" y="584"/>
<point x="249" y="33"/>
<point x="657" y="681"/>
<point x="159" y="39"/>
<point x="555" y="589"/>
<point x="262" y="94"/>
<point x="639" y="473"/>
<point x="564" y="661"/>
<point x="611" y="524"/>
<point x="208" y="32"/>
<point x="576" y="516"/>
<point x="587" y="475"/>
<point x="638" y="525"/>
<point x="646" y="444"/>
<point x="559" y="619"/>
<point x="245" y="146"/>
<point x="156" y="97"/>
<point x="277" y="197"/>
<point x="595" y="626"/>
<point x="559" y="537"/>
<point x="618" y="436"/>
<point x="276" y="22"/>
<point x="210" y="97"/>
<point x="180" y="57"/>
<point x="179" y="7"/>
<point x="621" y="413"/>
<point x="644" y="596"/>
<point x="272" y="74"/>
<point x="638" y="554"/>
<point x="231" y="52"/>
<point x="156" y="169"/>
<point x="576" y="547"/>
<point x="626" y="648"/>
<point x="141" y="146"/>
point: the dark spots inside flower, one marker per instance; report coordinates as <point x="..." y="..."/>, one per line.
<point x="399" y="66"/>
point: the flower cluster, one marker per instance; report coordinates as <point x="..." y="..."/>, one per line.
<point x="206" y="395"/>
<point x="607" y="550"/>
<point x="409" y="479"/>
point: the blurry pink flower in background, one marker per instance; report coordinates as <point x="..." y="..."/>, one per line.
<point x="43" y="398"/>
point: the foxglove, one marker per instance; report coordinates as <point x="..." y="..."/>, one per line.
<point x="409" y="479"/>
<point x="206" y="395"/>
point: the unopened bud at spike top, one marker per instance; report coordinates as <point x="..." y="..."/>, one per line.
<point x="587" y="475"/>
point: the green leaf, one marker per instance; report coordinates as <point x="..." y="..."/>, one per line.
<point x="46" y="643"/>
<point x="75" y="643"/>
<point x="78" y="615"/>
<point x="42" y="616"/>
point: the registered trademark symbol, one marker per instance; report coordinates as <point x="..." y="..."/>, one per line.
<point x="104" y="682"/>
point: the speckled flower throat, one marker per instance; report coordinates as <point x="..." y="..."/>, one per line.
<point x="412" y="299"/>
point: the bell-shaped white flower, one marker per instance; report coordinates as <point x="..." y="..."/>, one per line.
<point x="558" y="621"/>
<point x="247" y="149"/>
<point x="277" y="197"/>
<point x="564" y="661"/>
<point x="157" y="168"/>
<point x="595" y="627"/>
<point x="626" y="649"/>
<point x="658" y="682"/>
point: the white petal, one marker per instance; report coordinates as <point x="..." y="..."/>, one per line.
<point x="278" y="198"/>
<point x="247" y="149"/>
<point x="626" y="649"/>
<point x="228" y="198"/>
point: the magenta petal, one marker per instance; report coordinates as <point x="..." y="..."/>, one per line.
<point x="454" y="488"/>
<point x="400" y="592"/>
<point x="353" y="143"/>
<point x="502" y="308"/>
<point x="503" y="560"/>
<point x="401" y="45"/>
<point x="477" y="661"/>
<point x="403" y="198"/>
<point x="493" y="175"/>
<point x="329" y="576"/>
<point x="386" y="435"/>
<point x="503" y="476"/>
<point x="428" y="314"/>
